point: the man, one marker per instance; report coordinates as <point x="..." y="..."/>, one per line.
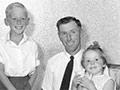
<point x="69" y="31"/>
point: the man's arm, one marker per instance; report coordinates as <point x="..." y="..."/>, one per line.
<point x="48" y="79"/>
<point x="37" y="76"/>
<point x="4" y="79"/>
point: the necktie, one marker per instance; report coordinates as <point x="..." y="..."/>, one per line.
<point x="67" y="75"/>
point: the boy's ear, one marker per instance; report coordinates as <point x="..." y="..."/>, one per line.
<point x="28" y="21"/>
<point x="6" y="22"/>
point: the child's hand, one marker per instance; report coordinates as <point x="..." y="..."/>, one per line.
<point x="85" y="82"/>
<point x="76" y="80"/>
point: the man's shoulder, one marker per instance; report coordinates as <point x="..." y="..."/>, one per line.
<point x="2" y="41"/>
<point x="55" y="58"/>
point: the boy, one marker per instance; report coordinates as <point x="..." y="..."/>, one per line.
<point x="18" y="53"/>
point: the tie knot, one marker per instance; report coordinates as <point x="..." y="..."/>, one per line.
<point x="71" y="57"/>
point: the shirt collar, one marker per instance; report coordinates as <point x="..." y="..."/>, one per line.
<point x="25" y="37"/>
<point x="76" y="55"/>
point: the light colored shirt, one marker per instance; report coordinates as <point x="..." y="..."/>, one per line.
<point x="56" y="67"/>
<point x="100" y="80"/>
<point x="18" y="60"/>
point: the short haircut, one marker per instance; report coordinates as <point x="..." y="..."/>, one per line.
<point x="13" y="5"/>
<point x="68" y="19"/>
<point x="95" y="47"/>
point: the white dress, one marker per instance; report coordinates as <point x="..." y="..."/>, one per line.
<point x="100" y="80"/>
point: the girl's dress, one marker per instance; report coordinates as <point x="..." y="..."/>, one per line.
<point x="100" y="80"/>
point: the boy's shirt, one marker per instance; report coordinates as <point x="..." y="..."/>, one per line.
<point x="18" y="60"/>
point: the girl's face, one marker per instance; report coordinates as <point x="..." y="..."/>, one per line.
<point x="93" y="63"/>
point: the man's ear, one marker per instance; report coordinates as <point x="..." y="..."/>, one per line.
<point x="59" y="35"/>
<point x="6" y="22"/>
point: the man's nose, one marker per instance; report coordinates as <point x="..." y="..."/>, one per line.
<point x="68" y="37"/>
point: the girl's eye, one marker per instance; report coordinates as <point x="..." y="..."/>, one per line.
<point x="88" y="60"/>
<point x="96" y="59"/>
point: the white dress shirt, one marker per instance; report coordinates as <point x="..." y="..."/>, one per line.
<point x="18" y="60"/>
<point x="56" y="67"/>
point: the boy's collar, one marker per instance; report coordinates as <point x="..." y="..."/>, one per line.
<point x="25" y="37"/>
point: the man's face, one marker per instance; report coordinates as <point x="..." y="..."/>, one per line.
<point x="69" y="34"/>
<point x="17" y="20"/>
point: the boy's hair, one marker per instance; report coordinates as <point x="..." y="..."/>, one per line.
<point x="95" y="47"/>
<point x="68" y="19"/>
<point x="13" y="5"/>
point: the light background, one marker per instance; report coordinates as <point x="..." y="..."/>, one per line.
<point x="100" y="20"/>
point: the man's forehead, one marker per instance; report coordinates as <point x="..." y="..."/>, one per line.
<point x="68" y="26"/>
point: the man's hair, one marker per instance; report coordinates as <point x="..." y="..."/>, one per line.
<point x="13" y="5"/>
<point x="95" y="47"/>
<point x="68" y="19"/>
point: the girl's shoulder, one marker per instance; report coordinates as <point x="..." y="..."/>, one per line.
<point x="102" y="80"/>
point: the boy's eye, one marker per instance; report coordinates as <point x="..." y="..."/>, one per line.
<point x="13" y="18"/>
<point x="63" y="33"/>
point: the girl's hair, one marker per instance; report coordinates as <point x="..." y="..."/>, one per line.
<point x="95" y="47"/>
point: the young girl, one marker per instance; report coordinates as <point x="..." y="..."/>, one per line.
<point x="94" y="63"/>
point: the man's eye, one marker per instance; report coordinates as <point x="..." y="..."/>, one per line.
<point x="73" y="32"/>
<point x="23" y="18"/>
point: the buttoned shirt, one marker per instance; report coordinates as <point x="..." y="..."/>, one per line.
<point x="18" y="60"/>
<point x="56" y="67"/>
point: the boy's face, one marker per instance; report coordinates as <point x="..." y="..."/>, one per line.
<point x="17" y="20"/>
<point x="70" y="36"/>
<point x="93" y="63"/>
